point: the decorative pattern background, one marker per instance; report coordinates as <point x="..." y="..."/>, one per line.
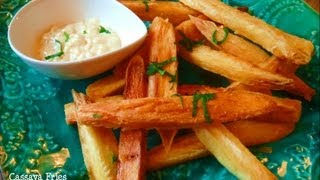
<point x="35" y="139"/>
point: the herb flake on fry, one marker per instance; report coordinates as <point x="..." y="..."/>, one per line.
<point x="97" y="116"/>
<point x="156" y="67"/>
<point x="204" y="99"/>
<point x="214" y="38"/>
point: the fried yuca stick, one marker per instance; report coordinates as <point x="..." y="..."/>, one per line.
<point x="288" y="110"/>
<point x="99" y="146"/>
<point x="162" y="47"/>
<point x="249" y="52"/>
<point x="233" y="67"/>
<point x="231" y="153"/>
<point x="176" y="12"/>
<point x="70" y="108"/>
<point x="279" y="43"/>
<point x="188" y="147"/>
<point x="169" y="113"/>
<point x="132" y="143"/>
<point x="233" y="44"/>
<point x="106" y="86"/>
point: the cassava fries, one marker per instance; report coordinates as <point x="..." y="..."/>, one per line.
<point x="251" y="53"/>
<point x="233" y="44"/>
<point x="279" y="43"/>
<point x="174" y="11"/>
<point x="132" y="143"/>
<point x="70" y="108"/>
<point x="162" y="47"/>
<point x="288" y="110"/>
<point x="233" y="68"/>
<point x="99" y="146"/>
<point x="188" y="147"/>
<point x="170" y="113"/>
<point x="233" y="155"/>
<point x="106" y="86"/>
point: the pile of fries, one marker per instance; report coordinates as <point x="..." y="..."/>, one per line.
<point x="143" y="93"/>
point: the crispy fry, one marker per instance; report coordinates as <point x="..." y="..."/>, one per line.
<point x="132" y="143"/>
<point x="233" y="67"/>
<point x="106" y="86"/>
<point x="288" y="110"/>
<point x="70" y="109"/>
<point x="169" y="113"/>
<point x="183" y="149"/>
<point x="162" y="47"/>
<point x="234" y="44"/>
<point x="188" y="147"/>
<point x="99" y="147"/>
<point x="280" y="43"/>
<point x="174" y="11"/>
<point x="233" y="155"/>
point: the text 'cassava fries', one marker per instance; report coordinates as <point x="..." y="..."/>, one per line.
<point x="145" y="93"/>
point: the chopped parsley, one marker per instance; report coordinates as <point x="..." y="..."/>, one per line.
<point x="114" y="158"/>
<point x="180" y="97"/>
<point x="97" y="116"/>
<point x="104" y="30"/>
<point x="58" y="54"/>
<point x="187" y="43"/>
<point x="66" y="36"/>
<point x="156" y="67"/>
<point x="214" y="38"/>
<point x="84" y="32"/>
<point x="204" y="100"/>
<point x="146" y="3"/>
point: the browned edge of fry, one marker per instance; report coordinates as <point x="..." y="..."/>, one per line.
<point x="162" y="47"/>
<point x="188" y="147"/>
<point x="132" y="143"/>
<point x="176" y="12"/>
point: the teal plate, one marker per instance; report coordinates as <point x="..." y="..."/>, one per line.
<point x="34" y="138"/>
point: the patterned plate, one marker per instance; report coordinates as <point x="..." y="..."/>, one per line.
<point x="34" y="138"/>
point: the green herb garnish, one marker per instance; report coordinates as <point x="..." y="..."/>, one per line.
<point x="146" y="3"/>
<point x="104" y="30"/>
<point x="66" y="36"/>
<point x="58" y="54"/>
<point x="84" y="32"/>
<point x="97" y="116"/>
<point x="180" y="97"/>
<point x="204" y="100"/>
<point x="188" y="43"/>
<point x="114" y="158"/>
<point x="214" y="39"/>
<point x="155" y="67"/>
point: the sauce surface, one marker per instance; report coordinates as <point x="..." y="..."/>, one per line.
<point x="78" y="41"/>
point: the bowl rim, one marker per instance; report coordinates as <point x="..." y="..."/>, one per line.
<point x="61" y="63"/>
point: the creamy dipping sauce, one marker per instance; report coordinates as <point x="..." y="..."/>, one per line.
<point x="78" y="41"/>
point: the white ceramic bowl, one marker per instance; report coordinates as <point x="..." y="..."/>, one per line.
<point x="36" y="18"/>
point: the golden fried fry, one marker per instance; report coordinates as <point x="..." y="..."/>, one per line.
<point x="280" y="43"/>
<point x="132" y="143"/>
<point x="288" y="110"/>
<point x="233" y="68"/>
<point x="162" y="47"/>
<point x="233" y="44"/>
<point x="233" y="155"/>
<point x="174" y="11"/>
<point x="106" y="86"/>
<point x="99" y="146"/>
<point x="70" y="108"/>
<point x="169" y="113"/>
<point x="188" y="147"/>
